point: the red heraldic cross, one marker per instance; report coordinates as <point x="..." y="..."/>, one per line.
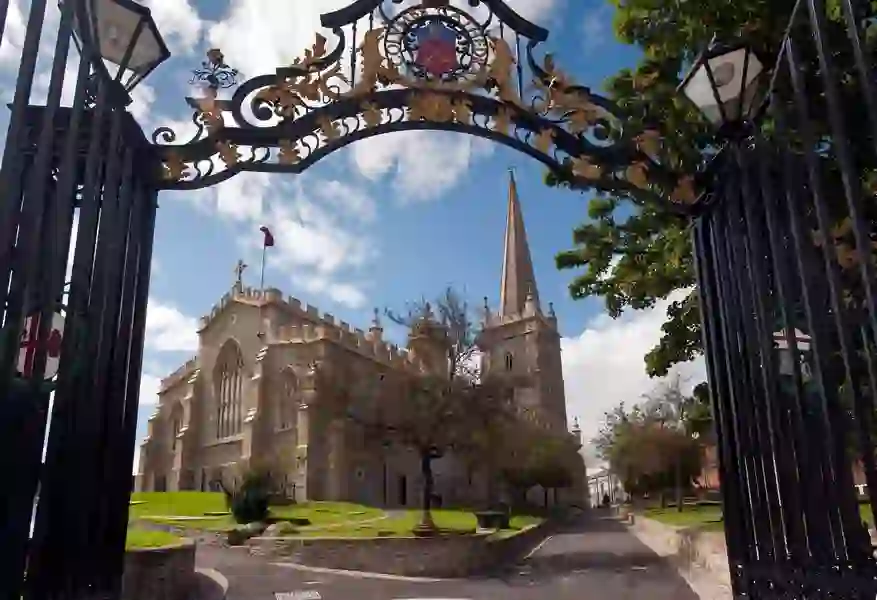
<point x="29" y="345"/>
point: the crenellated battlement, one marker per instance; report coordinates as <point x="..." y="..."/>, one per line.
<point x="355" y="340"/>
<point x="180" y="374"/>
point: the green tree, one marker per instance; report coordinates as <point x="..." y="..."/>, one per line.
<point x="633" y="252"/>
<point x="534" y="456"/>
<point x="436" y="406"/>
<point x="652" y="446"/>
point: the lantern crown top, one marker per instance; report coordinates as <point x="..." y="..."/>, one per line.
<point x="121" y="33"/>
<point x="498" y="13"/>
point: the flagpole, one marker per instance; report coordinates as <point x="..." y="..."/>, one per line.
<point x="262" y="275"/>
<point x="268" y="240"/>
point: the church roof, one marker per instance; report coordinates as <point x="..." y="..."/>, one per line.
<point x="518" y="277"/>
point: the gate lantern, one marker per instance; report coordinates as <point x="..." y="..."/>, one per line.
<point x="724" y="83"/>
<point x="124" y="36"/>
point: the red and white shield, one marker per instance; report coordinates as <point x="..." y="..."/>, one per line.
<point x="29" y="345"/>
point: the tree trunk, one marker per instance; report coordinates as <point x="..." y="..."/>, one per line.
<point x="679" y="485"/>
<point x="545" y="496"/>
<point x="427" y="524"/>
<point x="491" y="485"/>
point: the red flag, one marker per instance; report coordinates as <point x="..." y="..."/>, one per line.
<point x="269" y="239"/>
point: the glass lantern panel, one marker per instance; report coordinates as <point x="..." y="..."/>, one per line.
<point x="116" y="25"/>
<point x="728" y="72"/>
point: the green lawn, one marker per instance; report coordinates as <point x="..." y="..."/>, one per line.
<point x="141" y="538"/>
<point x="707" y="517"/>
<point x="401" y="525"/>
<point x="166" y="507"/>
<point x="178" y="504"/>
<point x="865" y="512"/>
<point x="328" y="519"/>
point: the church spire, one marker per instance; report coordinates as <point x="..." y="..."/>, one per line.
<point x="518" y="279"/>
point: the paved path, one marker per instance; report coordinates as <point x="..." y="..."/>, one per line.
<point x="592" y="558"/>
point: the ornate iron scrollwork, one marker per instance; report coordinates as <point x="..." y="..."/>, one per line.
<point x="424" y="65"/>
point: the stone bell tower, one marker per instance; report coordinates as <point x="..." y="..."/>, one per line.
<point x="521" y="338"/>
<point x="428" y="343"/>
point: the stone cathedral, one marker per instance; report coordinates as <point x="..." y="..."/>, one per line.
<point x="250" y="394"/>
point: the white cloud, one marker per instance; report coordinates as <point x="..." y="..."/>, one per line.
<point x="347" y="294"/>
<point x="178" y="22"/>
<point x="13" y="36"/>
<point x="149" y="386"/>
<point x="319" y="227"/>
<point x="169" y="330"/>
<point x="423" y="164"/>
<point x="604" y="365"/>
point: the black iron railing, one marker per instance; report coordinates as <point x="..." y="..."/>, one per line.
<point x="785" y="249"/>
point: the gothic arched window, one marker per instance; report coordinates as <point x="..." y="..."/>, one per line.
<point x="176" y="425"/>
<point x="288" y="400"/>
<point x="228" y="381"/>
<point x="509" y="361"/>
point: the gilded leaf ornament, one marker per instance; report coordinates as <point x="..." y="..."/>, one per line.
<point x="502" y="122"/>
<point x="372" y="114"/>
<point x="432" y="107"/>
<point x="463" y="111"/>
<point x="289" y="153"/>
<point x="375" y="70"/>
<point x="228" y="153"/>
<point x="313" y="54"/>
<point x="544" y="140"/>
<point x="584" y="168"/>
<point x="329" y="128"/>
<point x="500" y="71"/>
<point x="638" y="175"/>
<point x="649" y="142"/>
<point x="174" y="167"/>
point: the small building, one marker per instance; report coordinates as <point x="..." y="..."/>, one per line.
<point x="602" y="483"/>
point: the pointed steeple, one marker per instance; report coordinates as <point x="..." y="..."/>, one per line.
<point x="518" y="278"/>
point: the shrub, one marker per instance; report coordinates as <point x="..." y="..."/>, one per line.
<point x="248" y="501"/>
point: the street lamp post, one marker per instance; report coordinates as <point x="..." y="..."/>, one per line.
<point x="91" y="157"/>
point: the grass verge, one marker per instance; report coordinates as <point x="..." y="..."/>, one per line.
<point x="705" y="517"/>
<point x="188" y="509"/>
<point x="140" y="539"/>
<point x="402" y="524"/>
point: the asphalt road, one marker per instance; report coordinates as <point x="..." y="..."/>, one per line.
<point x="592" y="558"/>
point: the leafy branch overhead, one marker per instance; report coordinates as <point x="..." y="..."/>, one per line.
<point x="634" y="254"/>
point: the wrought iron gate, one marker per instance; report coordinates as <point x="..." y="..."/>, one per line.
<point x="785" y="250"/>
<point x="80" y="169"/>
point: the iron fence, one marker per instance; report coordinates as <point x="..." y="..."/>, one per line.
<point x="785" y="247"/>
<point x="85" y="171"/>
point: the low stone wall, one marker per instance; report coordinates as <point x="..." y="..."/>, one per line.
<point x="439" y="557"/>
<point x="167" y="573"/>
<point x="701" y="556"/>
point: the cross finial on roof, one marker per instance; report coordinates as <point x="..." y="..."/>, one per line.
<point x="239" y="273"/>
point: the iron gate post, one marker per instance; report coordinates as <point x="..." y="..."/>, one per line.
<point x="792" y="523"/>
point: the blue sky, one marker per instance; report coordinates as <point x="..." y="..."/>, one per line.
<point x="379" y="223"/>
